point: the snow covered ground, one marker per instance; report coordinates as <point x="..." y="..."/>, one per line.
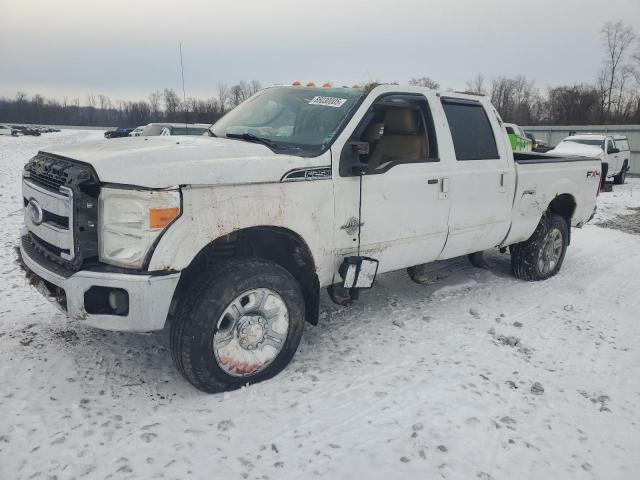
<point x="477" y="376"/>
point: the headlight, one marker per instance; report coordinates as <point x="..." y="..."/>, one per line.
<point x="129" y="222"/>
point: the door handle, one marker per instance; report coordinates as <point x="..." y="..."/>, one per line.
<point x="444" y="188"/>
<point x="502" y="186"/>
<point x="432" y="181"/>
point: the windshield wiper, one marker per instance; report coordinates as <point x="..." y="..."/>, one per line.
<point x="250" y="137"/>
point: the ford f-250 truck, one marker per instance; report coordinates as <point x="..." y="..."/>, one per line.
<point x="612" y="150"/>
<point x="230" y="238"/>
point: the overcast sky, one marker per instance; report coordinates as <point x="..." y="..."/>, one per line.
<point x="128" y="48"/>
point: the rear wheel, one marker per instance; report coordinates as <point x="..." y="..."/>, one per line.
<point x="240" y="324"/>
<point x="622" y="176"/>
<point x="541" y="256"/>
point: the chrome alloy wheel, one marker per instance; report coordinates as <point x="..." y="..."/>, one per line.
<point x="550" y="252"/>
<point x="251" y="332"/>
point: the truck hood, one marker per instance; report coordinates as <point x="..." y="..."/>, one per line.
<point x="166" y="161"/>
<point x="572" y="148"/>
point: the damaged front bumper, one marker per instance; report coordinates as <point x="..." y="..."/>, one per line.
<point x="83" y="295"/>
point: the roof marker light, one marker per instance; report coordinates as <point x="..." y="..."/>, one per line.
<point x="311" y="84"/>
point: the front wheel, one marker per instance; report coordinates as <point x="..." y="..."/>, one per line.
<point x="541" y="256"/>
<point x="238" y="325"/>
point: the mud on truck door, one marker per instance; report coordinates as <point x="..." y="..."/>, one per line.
<point x="391" y="189"/>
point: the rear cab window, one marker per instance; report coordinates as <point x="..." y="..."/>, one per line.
<point x="471" y="131"/>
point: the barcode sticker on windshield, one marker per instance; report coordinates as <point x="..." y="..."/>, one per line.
<point x="328" y="101"/>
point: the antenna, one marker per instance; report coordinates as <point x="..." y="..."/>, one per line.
<point x="184" y="94"/>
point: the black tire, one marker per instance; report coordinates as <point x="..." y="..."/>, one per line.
<point x="206" y="299"/>
<point x="622" y="176"/>
<point x="603" y="178"/>
<point x="526" y="256"/>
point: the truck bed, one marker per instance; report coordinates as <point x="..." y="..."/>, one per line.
<point x="534" y="157"/>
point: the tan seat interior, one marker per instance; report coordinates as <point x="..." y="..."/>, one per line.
<point x="401" y="137"/>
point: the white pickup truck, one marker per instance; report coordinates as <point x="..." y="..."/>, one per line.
<point x="612" y="150"/>
<point x="229" y="238"/>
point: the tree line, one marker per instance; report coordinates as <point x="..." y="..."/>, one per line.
<point x="612" y="98"/>
<point x="99" y="110"/>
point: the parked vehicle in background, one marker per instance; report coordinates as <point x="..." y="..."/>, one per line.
<point x="136" y="132"/>
<point x="154" y="129"/>
<point x="5" y="130"/>
<point x="230" y="237"/>
<point x="612" y="150"/>
<point x="518" y="139"/>
<point x="24" y="130"/>
<point x="537" y="145"/>
<point x="117" y="133"/>
<point x="33" y="130"/>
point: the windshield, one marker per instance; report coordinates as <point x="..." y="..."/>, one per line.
<point x="595" y="143"/>
<point x="300" y="118"/>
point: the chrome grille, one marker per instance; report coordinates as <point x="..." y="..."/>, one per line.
<point x="47" y="171"/>
<point x="65" y="194"/>
<point x="48" y="215"/>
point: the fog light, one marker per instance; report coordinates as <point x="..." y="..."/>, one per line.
<point x="119" y="301"/>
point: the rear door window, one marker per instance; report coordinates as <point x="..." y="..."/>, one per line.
<point x="471" y="130"/>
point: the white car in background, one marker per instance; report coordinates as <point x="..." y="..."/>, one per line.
<point x="4" y="130"/>
<point x="613" y="150"/>
<point x="165" y="129"/>
<point x="137" y="131"/>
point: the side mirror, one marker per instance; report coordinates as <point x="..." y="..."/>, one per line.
<point x="360" y="148"/>
<point x="351" y="158"/>
<point x="358" y="272"/>
<point x="614" y="150"/>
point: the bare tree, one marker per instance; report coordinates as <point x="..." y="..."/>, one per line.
<point x="424" y="82"/>
<point x="476" y="85"/>
<point x="171" y="104"/>
<point x="105" y="102"/>
<point x="154" y="101"/>
<point x="617" y="39"/>
<point x="636" y="64"/>
<point x="514" y="98"/>
<point x="572" y="104"/>
<point x="254" y="87"/>
<point x="237" y="94"/>
<point x="223" y="95"/>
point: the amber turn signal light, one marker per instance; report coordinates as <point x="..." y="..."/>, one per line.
<point x="161" y="217"/>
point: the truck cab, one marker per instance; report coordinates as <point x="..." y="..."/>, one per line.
<point x="229" y="238"/>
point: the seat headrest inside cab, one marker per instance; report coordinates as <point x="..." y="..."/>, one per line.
<point x="400" y="121"/>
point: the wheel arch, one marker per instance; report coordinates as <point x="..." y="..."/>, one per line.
<point x="565" y="206"/>
<point x="277" y="244"/>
